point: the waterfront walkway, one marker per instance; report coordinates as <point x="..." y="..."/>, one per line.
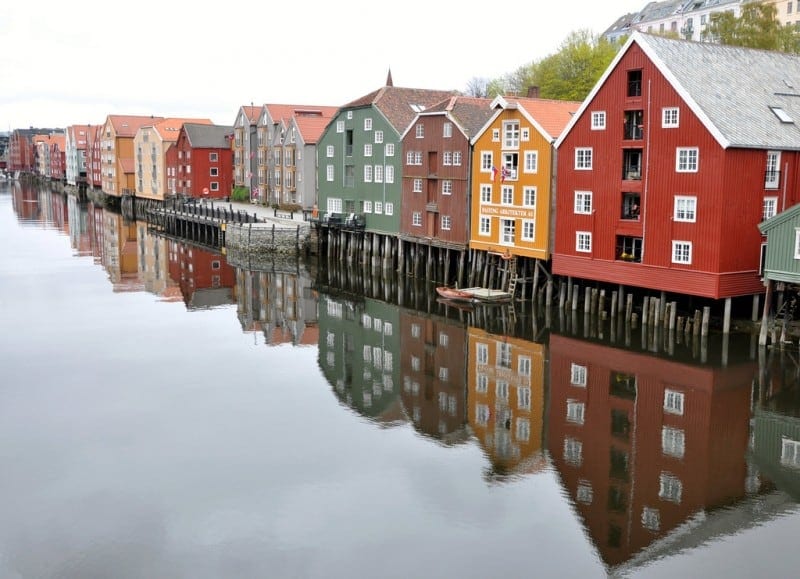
<point x="267" y="214"/>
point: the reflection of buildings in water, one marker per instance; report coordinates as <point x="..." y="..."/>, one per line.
<point x="204" y="277"/>
<point x="645" y="445"/>
<point x="433" y="366"/>
<point x="358" y="340"/>
<point x="120" y="256"/>
<point x="79" y="227"/>
<point x="154" y="264"/>
<point x="776" y="422"/>
<point x="280" y="304"/>
<point x="505" y="390"/>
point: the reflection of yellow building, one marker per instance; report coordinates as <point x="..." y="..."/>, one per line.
<point x="505" y="384"/>
<point x="512" y="172"/>
<point x="153" y="263"/>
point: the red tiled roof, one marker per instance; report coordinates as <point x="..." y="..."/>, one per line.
<point x="552" y="115"/>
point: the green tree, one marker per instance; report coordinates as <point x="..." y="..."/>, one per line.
<point x="756" y="27"/>
<point x="568" y="74"/>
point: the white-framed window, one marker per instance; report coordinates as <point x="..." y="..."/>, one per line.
<point x="507" y="195"/>
<point x="583" y="241"/>
<point x="487" y="161"/>
<point x="447" y="187"/>
<point x="526" y="135"/>
<point x="529" y="196"/>
<point x="651" y="519"/>
<point x="577" y="375"/>
<point x="797" y="243"/>
<point x="685" y="208"/>
<point x="367" y="206"/>
<point x="482" y="354"/>
<point x="416" y="219"/>
<point x="670" y="117"/>
<point x="790" y="452"/>
<point x="583" y="158"/>
<point x="575" y="411"/>
<point x="486" y="193"/>
<point x="523" y="430"/>
<point x="367" y="149"/>
<point x="682" y="252"/>
<point x="388" y="209"/>
<point x="419" y="131"/>
<point x="447" y="158"/>
<point x="417" y="158"/>
<point x="388" y="149"/>
<point x="482" y="384"/>
<point x="389" y="173"/>
<point x="367" y="124"/>
<point x="772" y="174"/>
<point x="379" y="173"/>
<point x="213" y="157"/>
<point x="583" y="202"/>
<point x="379" y="207"/>
<point x="367" y="173"/>
<point x="686" y="159"/>
<point x="673" y="441"/>
<point x="528" y="230"/>
<point x="340" y="126"/>
<point x="584" y="493"/>
<point x="329" y="151"/>
<point x="329" y="172"/>
<point x="511" y="134"/>
<point x="770" y="208"/>
<point x="501" y="390"/>
<point x="444" y="339"/>
<point x="409" y="157"/>
<point x="447" y="130"/>
<point x="446" y="222"/>
<point x="416" y="330"/>
<point x="485" y="227"/>
<point x="573" y="451"/>
<point x="673" y="402"/>
<point x="670" y="488"/>
<point x="598" y="120"/>
<point x="214" y="172"/>
<point x="530" y="162"/>
<point x="457" y="157"/>
<point x="378" y="136"/>
<point x="417" y="187"/>
<point x="496" y="135"/>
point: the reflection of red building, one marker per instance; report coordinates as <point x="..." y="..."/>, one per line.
<point x="505" y="385"/>
<point x="433" y="365"/>
<point x="643" y="443"/>
<point x="205" y="278"/>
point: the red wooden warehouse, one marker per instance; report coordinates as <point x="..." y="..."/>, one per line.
<point x="677" y="154"/>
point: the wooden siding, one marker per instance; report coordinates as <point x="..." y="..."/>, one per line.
<point x="496" y="211"/>
<point x="781" y="263"/>
<point x="352" y="157"/>
<point x="622" y="456"/>
<point x="729" y="187"/>
<point x="506" y="405"/>
<point x="431" y="203"/>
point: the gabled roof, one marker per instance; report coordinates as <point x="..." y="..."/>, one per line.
<point x="311" y="127"/>
<point x="251" y="112"/>
<point x="777" y="220"/>
<point x="470" y="114"/>
<point x="737" y="93"/>
<point x="168" y="129"/>
<point x="127" y="125"/>
<point x="208" y="136"/>
<point x="310" y="120"/>
<point x="400" y="106"/>
<point x="548" y="116"/>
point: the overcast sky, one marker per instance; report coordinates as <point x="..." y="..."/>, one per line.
<point x="65" y="63"/>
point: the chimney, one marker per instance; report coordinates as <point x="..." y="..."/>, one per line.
<point x="533" y="92"/>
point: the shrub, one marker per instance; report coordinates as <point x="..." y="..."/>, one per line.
<point x="240" y="194"/>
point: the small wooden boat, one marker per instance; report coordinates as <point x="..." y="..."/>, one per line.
<point x="454" y="294"/>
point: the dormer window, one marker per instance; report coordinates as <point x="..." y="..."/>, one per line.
<point x="782" y="115"/>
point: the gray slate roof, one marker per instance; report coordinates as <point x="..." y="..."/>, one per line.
<point x="732" y="89"/>
<point x="208" y="136"/>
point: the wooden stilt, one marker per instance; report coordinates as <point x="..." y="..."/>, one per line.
<point x="726" y="321"/>
<point x="762" y="338"/>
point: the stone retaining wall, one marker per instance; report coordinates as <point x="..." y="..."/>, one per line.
<point x="268" y="238"/>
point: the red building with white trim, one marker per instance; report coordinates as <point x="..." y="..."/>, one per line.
<point x="677" y="154"/>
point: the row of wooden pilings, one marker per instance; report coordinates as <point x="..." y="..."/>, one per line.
<point x="469" y="268"/>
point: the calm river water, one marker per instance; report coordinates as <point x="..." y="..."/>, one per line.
<point x="170" y="412"/>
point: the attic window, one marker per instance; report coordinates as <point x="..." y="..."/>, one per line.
<point x="782" y="115"/>
<point x="417" y="108"/>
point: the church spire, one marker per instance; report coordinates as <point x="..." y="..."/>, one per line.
<point x="389" y="78"/>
